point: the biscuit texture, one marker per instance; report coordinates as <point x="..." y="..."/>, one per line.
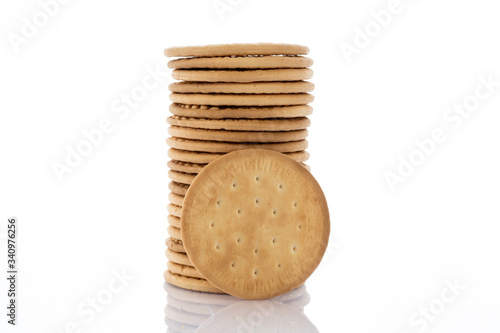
<point x="241" y="49"/>
<point x="236" y="136"/>
<point x="223" y="112"/>
<point x="291" y="87"/>
<point x="250" y="75"/>
<point x="241" y="62"/>
<point x="243" y="99"/>
<point x="258" y="125"/>
<point x="227" y="147"/>
<point x="200" y="157"/>
<point x="255" y="223"/>
<point x="175" y="245"/>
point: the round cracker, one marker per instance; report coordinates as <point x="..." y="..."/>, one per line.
<point x="174" y="232"/>
<point x="215" y="112"/>
<point x="255" y="223"/>
<point x="183" y="270"/>
<point x="242" y="62"/>
<point x="243" y="99"/>
<point x="291" y="87"/>
<point x="181" y="177"/>
<point x="236" y="136"/>
<point x="175" y="198"/>
<point x="177" y="257"/>
<point x="190" y="283"/>
<point x="174" y="221"/>
<point x="200" y="157"/>
<point x="243" y="49"/>
<point x="177" y="188"/>
<point x="174" y="210"/>
<point x="175" y="245"/>
<point x="250" y="75"/>
<point x="251" y="125"/>
<point x="227" y="147"/>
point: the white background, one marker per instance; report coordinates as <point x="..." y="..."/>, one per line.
<point x="392" y="252"/>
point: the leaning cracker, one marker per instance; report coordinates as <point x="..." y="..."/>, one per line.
<point x="289" y="87"/>
<point x="174" y="210"/>
<point x="177" y="188"/>
<point x="250" y="75"/>
<point x="185" y="167"/>
<point x="175" y="198"/>
<point x="183" y="270"/>
<point x="174" y="221"/>
<point x="174" y="232"/>
<point x="236" y="136"/>
<point x="258" y="125"/>
<point x="200" y="157"/>
<point x="227" y="147"/>
<point x="218" y="50"/>
<point x="215" y="112"/>
<point x="255" y="223"/>
<point x="175" y="245"/>
<point x="190" y="283"/>
<point x="242" y="62"/>
<point x="181" y="177"/>
<point x="180" y="258"/>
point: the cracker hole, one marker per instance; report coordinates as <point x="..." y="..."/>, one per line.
<point x="279" y="265"/>
<point x="294" y="249"/>
<point x="233" y="264"/>
<point x="239" y="211"/>
<point x="255" y="272"/>
<point x="300" y="226"/>
<point x="257" y="178"/>
<point x="256" y="251"/>
<point x="256" y="201"/>
<point x="295" y="204"/>
<point x="274" y="240"/>
<point x="234" y="185"/>
<point x="238" y="240"/>
<point x="275" y="212"/>
<point x="218" y="202"/>
<point x="217" y="247"/>
<point x="280" y="186"/>
<point x="212" y="225"/>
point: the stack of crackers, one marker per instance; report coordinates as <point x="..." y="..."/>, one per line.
<point x="230" y="98"/>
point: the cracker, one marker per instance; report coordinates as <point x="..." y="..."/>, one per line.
<point x="175" y="198"/>
<point x="242" y="62"/>
<point x="251" y="125"/>
<point x="243" y="49"/>
<point x="200" y="157"/>
<point x="185" y="167"/>
<point x="174" y="232"/>
<point x="236" y="136"/>
<point x="183" y="270"/>
<point x="215" y="112"/>
<point x="181" y="177"/>
<point x="249" y="75"/>
<point x="177" y="188"/>
<point x="290" y="87"/>
<point x="255" y="223"/>
<point x="174" y="210"/>
<point x="190" y="283"/>
<point x="177" y="257"/>
<point x="243" y="99"/>
<point x="227" y="147"/>
<point x="174" y="221"/>
<point x="175" y="245"/>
